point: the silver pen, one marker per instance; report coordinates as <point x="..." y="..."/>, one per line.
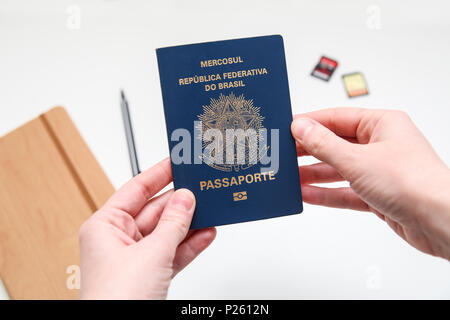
<point x="129" y="134"/>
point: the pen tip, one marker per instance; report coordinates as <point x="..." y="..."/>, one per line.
<point x="122" y="94"/>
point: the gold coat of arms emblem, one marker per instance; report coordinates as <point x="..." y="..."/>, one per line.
<point x="232" y="133"/>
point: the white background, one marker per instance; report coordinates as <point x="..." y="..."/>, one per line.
<point x="322" y="253"/>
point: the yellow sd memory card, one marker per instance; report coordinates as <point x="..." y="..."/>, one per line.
<point x="355" y="84"/>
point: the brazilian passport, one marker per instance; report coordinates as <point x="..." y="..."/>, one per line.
<point x="228" y="115"/>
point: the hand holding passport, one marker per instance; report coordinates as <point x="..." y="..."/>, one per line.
<point x="137" y="242"/>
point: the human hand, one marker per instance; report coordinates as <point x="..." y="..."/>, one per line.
<point x="135" y="244"/>
<point x="392" y="169"/>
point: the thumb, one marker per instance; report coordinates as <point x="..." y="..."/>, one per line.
<point x="175" y="220"/>
<point x="322" y="143"/>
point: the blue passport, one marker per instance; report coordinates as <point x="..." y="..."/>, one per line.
<point x="228" y="116"/>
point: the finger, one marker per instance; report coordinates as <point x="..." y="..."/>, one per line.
<point x="133" y="196"/>
<point x="342" y="121"/>
<point x="319" y="173"/>
<point x="343" y="198"/>
<point x="148" y="218"/>
<point x="191" y="247"/>
<point x="175" y="220"/>
<point x="347" y="122"/>
<point x="302" y="152"/>
<point x="323" y="144"/>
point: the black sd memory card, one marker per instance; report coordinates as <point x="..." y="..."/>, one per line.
<point x="325" y="68"/>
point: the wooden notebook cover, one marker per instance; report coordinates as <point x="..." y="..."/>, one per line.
<point x="50" y="183"/>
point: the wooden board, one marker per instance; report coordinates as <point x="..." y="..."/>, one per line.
<point x="50" y="183"/>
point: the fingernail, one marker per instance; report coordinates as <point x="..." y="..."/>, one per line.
<point x="301" y="126"/>
<point x="184" y="199"/>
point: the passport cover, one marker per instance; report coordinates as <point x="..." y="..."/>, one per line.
<point x="231" y="84"/>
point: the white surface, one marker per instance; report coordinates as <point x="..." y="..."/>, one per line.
<point x="322" y="253"/>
